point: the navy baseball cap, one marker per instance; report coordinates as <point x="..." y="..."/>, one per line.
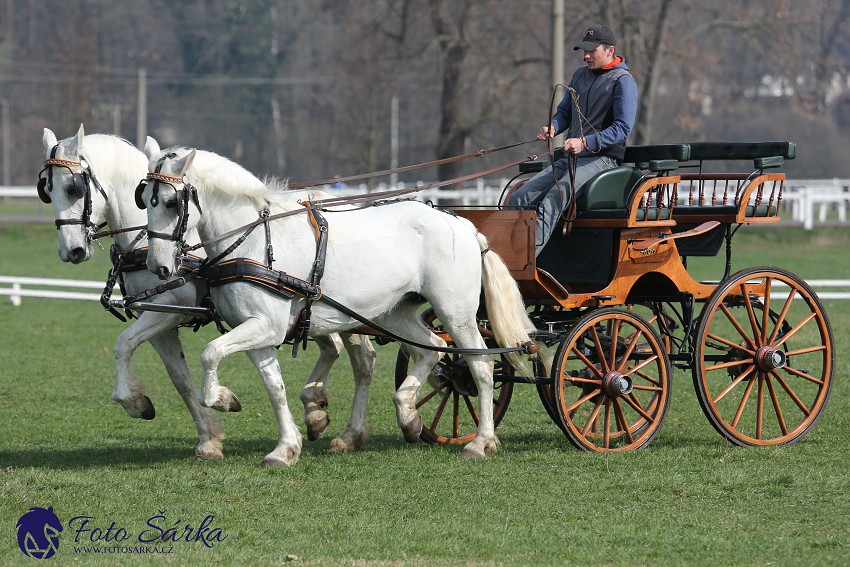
<point x="597" y="35"/>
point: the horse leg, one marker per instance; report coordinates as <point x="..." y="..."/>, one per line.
<point x="289" y="445"/>
<point x="208" y="424"/>
<point x="422" y="363"/>
<point x="127" y="391"/>
<point x="362" y="357"/>
<point x="468" y="336"/>
<point x="313" y="395"/>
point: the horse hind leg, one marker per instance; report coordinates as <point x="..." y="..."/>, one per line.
<point x="207" y="422"/>
<point x="422" y="363"/>
<point x="362" y="356"/>
<point x="313" y="395"/>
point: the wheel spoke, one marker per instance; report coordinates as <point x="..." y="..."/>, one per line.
<point x="803" y="375"/>
<point x="629" y="349"/>
<point x="594" y="415"/>
<point x="455" y="416"/>
<point x="744" y="399"/>
<point x="649" y="360"/>
<point x="440" y="409"/>
<point x="750" y="369"/>
<point x="600" y="356"/>
<point x="425" y="399"/>
<point x="765" y="314"/>
<point x="621" y="419"/>
<point x="751" y="314"/>
<point x="635" y="404"/>
<point x="799" y="326"/>
<point x="606" y="435"/>
<point x="471" y="409"/>
<point x="583" y="399"/>
<point x="587" y="362"/>
<point x="782" y="315"/>
<point x="738" y="327"/>
<point x="615" y="335"/>
<point x="793" y="396"/>
<point x="760" y="406"/>
<point x="778" y="410"/>
<point x="730" y="344"/>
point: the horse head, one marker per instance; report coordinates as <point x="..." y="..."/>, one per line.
<point x="66" y="183"/>
<point x="172" y="205"/>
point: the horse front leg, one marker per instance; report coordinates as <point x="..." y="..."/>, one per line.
<point x="289" y="444"/>
<point x="207" y="422"/>
<point x="362" y="356"/>
<point x="313" y="395"/>
<point x="127" y="391"/>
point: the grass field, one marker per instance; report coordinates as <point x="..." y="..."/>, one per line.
<point x="690" y="498"/>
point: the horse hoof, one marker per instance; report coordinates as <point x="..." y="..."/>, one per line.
<point x="148" y="411"/>
<point x="316" y="427"/>
<point x="479" y="450"/>
<point x="209" y="451"/>
<point x="279" y="462"/>
<point x="339" y="445"/>
<point x="412" y="430"/>
<point x="234" y="404"/>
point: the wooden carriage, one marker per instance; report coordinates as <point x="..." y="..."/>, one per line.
<point x="613" y="297"/>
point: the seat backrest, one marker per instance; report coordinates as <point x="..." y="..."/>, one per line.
<point x="609" y="189"/>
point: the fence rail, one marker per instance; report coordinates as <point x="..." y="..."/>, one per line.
<point x="19" y="287"/>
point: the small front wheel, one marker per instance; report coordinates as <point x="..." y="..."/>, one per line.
<point x="611" y="384"/>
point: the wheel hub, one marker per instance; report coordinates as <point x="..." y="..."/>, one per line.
<point x="615" y="384"/>
<point x="769" y="358"/>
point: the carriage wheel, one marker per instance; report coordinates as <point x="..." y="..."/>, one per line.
<point x="448" y="400"/>
<point x="764" y="358"/>
<point x="611" y="382"/>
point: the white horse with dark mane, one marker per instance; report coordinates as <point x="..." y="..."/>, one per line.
<point x="382" y="263"/>
<point x="90" y="181"/>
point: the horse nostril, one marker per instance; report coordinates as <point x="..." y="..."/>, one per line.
<point x="78" y="255"/>
<point x="163" y="272"/>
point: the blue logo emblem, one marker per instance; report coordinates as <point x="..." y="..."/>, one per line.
<point x="38" y="533"/>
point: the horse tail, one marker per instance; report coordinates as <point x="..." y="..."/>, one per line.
<point x="505" y="307"/>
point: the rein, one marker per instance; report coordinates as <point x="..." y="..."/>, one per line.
<point x="444" y="161"/>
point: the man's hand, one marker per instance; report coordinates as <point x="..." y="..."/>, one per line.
<point x="546" y="132"/>
<point x="574" y="145"/>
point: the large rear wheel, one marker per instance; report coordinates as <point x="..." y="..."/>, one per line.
<point x="764" y="357"/>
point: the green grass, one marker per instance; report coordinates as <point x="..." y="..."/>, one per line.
<point x="690" y="498"/>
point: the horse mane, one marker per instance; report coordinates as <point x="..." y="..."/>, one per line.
<point x="211" y="171"/>
<point x="113" y="157"/>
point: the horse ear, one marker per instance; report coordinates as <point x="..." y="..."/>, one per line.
<point x="182" y="164"/>
<point x="76" y="144"/>
<point x="48" y="140"/>
<point x="151" y="148"/>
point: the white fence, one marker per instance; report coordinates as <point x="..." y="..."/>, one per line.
<point x="19" y="287"/>
<point x="810" y="201"/>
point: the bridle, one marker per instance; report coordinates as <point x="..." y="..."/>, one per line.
<point x="187" y="192"/>
<point x="80" y="188"/>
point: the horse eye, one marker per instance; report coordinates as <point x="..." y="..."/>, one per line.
<point x="170" y="202"/>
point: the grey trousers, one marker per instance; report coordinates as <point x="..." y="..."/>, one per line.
<point x="541" y="192"/>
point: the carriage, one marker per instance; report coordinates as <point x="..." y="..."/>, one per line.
<point x="612" y="295"/>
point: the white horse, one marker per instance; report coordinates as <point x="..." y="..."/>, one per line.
<point x="90" y="180"/>
<point x="382" y="262"/>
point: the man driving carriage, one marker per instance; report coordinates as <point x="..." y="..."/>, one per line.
<point x="597" y="113"/>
